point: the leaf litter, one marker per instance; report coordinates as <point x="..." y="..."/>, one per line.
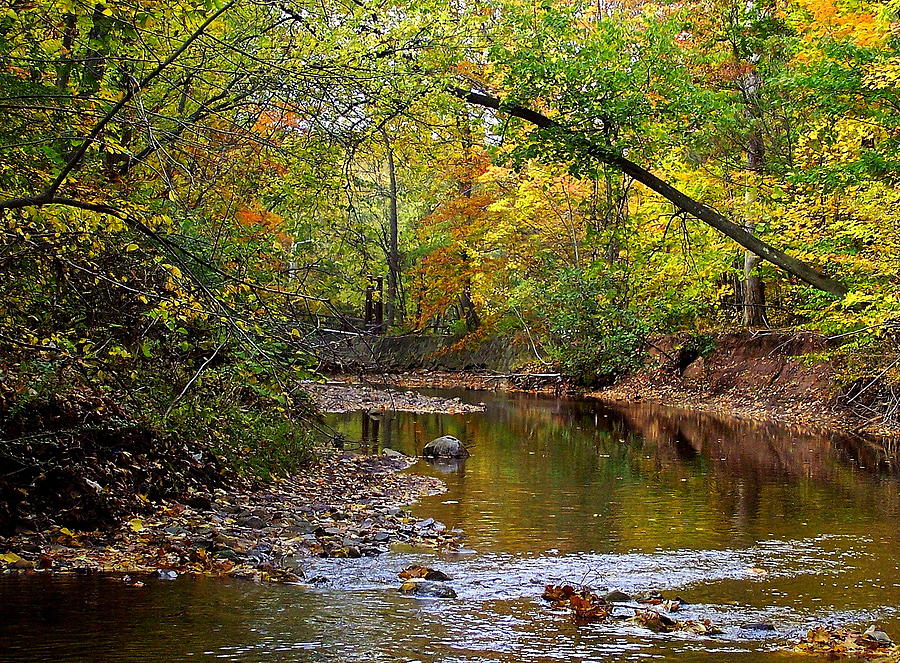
<point x="346" y="506"/>
<point x="649" y="612"/>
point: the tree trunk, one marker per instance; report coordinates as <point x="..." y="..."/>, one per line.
<point x="467" y="306"/>
<point x="681" y="200"/>
<point x="393" y="307"/>
<point x="753" y="290"/>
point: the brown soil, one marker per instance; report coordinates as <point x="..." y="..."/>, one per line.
<point x="768" y="376"/>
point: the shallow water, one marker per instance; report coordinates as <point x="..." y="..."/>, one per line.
<point x="746" y="522"/>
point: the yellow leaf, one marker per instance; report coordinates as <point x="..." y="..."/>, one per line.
<point x="136" y="524"/>
<point x="131" y="247"/>
<point x="66" y="531"/>
<point x="11" y="558"/>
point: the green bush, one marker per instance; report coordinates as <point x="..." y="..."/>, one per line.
<point x="593" y="338"/>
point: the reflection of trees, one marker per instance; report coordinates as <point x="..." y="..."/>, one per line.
<point x="541" y="468"/>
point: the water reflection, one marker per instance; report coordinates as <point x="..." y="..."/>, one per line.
<point x="748" y="521"/>
<point x="548" y="473"/>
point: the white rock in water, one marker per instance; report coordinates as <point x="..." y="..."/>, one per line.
<point x="446" y="446"/>
<point x="393" y="453"/>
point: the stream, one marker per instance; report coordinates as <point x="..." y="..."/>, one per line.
<point x="746" y="522"/>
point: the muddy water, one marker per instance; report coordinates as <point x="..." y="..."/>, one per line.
<point x="748" y="523"/>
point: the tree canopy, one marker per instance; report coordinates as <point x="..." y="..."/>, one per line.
<point x="191" y="191"/>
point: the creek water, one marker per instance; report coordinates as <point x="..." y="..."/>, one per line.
<point x="746" y="522"/>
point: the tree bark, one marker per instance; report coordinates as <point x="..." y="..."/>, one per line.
<point x="393" y="312"/>
<point x="466" y="304"/>
<point x="753" y="295"/>
<point x="753" y="288"/>
<point x="681" y="200"/>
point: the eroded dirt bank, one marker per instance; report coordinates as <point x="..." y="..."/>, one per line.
<point x="771" y="376"/>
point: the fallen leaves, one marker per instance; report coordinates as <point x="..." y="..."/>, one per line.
<point x="587" y="607"/>
<point x="343" y="507"/>
<point x="416" y="571"/>
<point x="584" y="605"/>
<point x="871" y="644"/>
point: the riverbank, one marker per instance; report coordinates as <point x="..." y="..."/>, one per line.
<point x="785" y="378"/>
<point x="346" y="505"/>
<point x="130" y="501"/>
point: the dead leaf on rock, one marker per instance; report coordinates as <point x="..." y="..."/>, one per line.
<point x="416" y="571"/>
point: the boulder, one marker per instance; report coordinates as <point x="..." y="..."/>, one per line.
<point x="419" y="587"/>
<point x="446" y="446"/>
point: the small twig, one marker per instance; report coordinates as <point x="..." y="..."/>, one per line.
<point x="874" y="380"/>
<point x="195" y="376"/>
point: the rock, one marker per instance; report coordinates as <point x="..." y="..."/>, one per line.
<point x="253" y="522"/>
<point x="615" y="596"/>
<point x="165" y="574"/>
<point x="445" y="447"/>
<point x="381" y="536"/>
<point x="878" y="636"/>
<point x="758" y="626"/>
<point x="240" y="546"/>
<point x="258" y="557"/>
<point x="227" y="553"/>
<point x="420" y="587"/>
<point x="302" y="526"/>
<point x="199" y="502"/>
<point x="423" y="572"/>
<point x="329" y="531"/>
<point x="393" y="453"/>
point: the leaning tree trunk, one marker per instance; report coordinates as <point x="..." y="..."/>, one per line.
<point x="678" y="198"/>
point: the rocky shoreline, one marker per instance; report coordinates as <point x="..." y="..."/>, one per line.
<point x="349" y="395"/>
<point x="345" y="506"/>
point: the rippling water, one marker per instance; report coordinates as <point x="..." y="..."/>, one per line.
<point x="745" y="522"/>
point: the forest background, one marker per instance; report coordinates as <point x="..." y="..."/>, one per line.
<point x="191" y="191"/>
